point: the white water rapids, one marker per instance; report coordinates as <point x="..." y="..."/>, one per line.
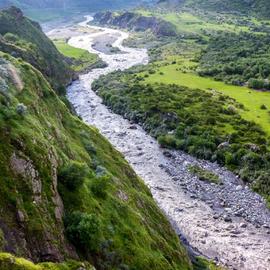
<point x="238" y="244"/>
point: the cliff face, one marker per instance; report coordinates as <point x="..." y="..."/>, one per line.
<point x="65" y="192"/>
<point x="136" y="22"/>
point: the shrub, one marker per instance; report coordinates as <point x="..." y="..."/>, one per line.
<point x="263" y="107"/>
<point x="21" y="109"/>
<point x="90" y="148"/>
<point x="83" y="230"/>
<point x="256" y="84"/>
<point x="101" y="171"/>
<point x="73" y="175"/>
<point x="3" y="86"/>
<point x="100" y="185"/>
<point x="168" y="141"/>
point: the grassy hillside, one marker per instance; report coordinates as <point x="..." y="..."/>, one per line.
<point x="23" y="38"/>
<point x="44" y="150"/>
<point x="66" y="192"/>
<point x="9" y="262"/>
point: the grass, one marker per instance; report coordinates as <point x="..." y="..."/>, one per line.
<point x="186" y="22"/>
<point x="48" y="130"/>
<point x="251" y="99"/>
<point x="10" y="262"/>
<point x="204" y="175"/>
<point x="82" y="58"/>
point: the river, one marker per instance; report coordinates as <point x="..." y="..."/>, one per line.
<point x="227" y="223"/>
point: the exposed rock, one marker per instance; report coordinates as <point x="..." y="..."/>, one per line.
<point x="238" y="188"/>
<point x="59" y="206"/>
<point x="23" y="166"/>
<point x="122" y="195"/>
<point x="137" y="22"/>
<point x="20" y="216"/>
<point x="224" y="145"/>
<point x="227" y="218"/>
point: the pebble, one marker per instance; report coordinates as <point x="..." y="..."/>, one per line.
<point x="238" y="188"/>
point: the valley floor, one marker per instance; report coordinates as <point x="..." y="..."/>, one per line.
<point x="203" y="213"/>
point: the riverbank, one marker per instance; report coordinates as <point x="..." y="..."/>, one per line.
<point x="236" y="242"/>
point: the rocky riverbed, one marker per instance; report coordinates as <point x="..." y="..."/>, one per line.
<point x="228" y="223"/>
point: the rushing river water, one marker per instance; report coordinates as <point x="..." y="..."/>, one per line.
<point x="227" y="223"/>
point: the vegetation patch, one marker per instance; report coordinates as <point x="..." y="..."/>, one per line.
<point x="239" y="59"/>
<point x="10" y="262"/>
<point x="204" y="175"/>
<point x="81" y="60"/>
<point x="205" y="124"/>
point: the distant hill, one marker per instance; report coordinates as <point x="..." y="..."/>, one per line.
<point x="254" y="7"/>
<point x="136" y="22"/>
<point x="93" y="4"/>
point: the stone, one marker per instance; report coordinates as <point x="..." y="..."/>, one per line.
<point x="134" y="127"/>
<point x="243" y="225"/>
<point x="236" y="232"/>
<point x="238" y="188"/>
<point x="227" y="218"/>
<point x="167" y="154"/>
<point x="20" y="216"/>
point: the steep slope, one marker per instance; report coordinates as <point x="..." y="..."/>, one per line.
<point x="66" y="193"/>
<point x="23" y="38"/>
<point x="136" y="22"/>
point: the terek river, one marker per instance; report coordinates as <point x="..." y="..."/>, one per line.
<point x="227" y="223"/>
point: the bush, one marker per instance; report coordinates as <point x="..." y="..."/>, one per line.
<point x="21" y="109"/>
<point x="83" y="230"/>
<point x="100" y="185"/>
<point x="72" y="176"/>
<point x="263" y="107"/>
<point x="256" y="84"/>
<point x="168" y="141"/>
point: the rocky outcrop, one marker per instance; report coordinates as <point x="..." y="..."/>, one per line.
<point x="136" y="22"/>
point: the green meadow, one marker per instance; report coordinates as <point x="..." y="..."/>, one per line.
<point x="251" y="99"/>
<point x="81" y="58"/>
<point x="189" y="23"/>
